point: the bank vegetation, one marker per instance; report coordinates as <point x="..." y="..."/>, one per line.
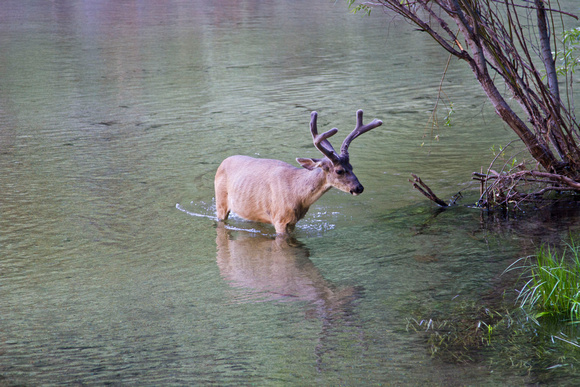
<point x="524" y="60"/>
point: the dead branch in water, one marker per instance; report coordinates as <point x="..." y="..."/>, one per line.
<point x="425" y="190"/>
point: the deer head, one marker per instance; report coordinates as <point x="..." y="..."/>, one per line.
<point x="336" y="166"/>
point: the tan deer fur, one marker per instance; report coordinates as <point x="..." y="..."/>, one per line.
<point x="272" y="191"/>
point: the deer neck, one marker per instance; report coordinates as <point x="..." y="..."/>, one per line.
<point x="315" y="185"/>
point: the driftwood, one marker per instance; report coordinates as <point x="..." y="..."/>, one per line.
<point x="425" y="190"/>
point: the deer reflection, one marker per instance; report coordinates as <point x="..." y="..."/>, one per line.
<point x="279" y="269"/>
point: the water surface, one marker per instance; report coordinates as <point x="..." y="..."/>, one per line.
<point x="114" y="117"/>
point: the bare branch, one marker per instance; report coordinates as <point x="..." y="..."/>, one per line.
<point x="425" y="190"/>
<point x="547" y="9"/>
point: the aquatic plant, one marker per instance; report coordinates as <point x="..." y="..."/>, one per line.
<point x="553" y="288"/>
<point x="458" y="336"/>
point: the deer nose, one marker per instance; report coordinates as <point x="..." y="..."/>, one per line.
<point x="357" y="190"/>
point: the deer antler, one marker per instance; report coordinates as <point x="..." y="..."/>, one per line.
<point x="358" y="130"/>
<point x="320" y="140"/>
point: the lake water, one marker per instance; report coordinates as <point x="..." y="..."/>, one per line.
<point x="114" y="116"/>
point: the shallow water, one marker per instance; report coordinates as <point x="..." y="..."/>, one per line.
<point x="114" y="117"/>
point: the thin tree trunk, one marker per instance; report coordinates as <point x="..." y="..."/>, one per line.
<point x="554" y="129"/>
<point x="547" y="58"/>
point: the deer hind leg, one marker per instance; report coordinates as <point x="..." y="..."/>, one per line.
<point x="222" y="213"/>
<point x="221" y="200"/>
<point x="221" y="203"/>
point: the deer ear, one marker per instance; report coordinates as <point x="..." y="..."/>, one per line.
<point x="309" y="164"/>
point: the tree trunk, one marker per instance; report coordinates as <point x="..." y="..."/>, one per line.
<point x="546" y="51"/>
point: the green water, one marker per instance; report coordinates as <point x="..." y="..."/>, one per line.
<point x="114" y="116"/>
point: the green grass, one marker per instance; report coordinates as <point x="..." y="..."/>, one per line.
<point x="553" y="288"/>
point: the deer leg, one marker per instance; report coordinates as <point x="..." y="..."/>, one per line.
<point x="280" y="229"/>
<point x="283" y="228"/>
<point x="221" y="203"/>
<point x="222" y="207"/>
<point x="221" y="194"/>
<point x="222" y="215"/>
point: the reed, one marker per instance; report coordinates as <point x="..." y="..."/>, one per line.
<point x="553" y="288"/>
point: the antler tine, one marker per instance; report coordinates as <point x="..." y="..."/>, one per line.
<point x="320" y="140"/>
<point x="358" y="130"/>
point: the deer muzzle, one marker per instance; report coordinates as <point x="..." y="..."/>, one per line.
<point x="357" y="190"/>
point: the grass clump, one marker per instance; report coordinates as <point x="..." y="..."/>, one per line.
<point x="554" y="285"/>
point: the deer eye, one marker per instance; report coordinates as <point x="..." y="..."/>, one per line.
<point x="339" y="171"/>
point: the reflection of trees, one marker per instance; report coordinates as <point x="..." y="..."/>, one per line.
<point x="280" y="269"/>
<point x="553" y="224"/>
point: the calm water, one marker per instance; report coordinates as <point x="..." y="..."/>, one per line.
<point x="114" y="116"/>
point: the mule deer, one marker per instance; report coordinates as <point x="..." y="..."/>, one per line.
<point x="275" y="192"/>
